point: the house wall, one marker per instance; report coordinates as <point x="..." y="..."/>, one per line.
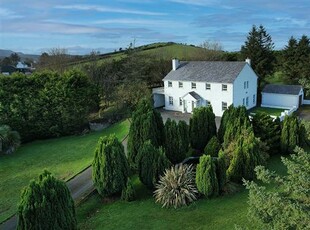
<point x="159" y="100"/>
<point x="215" y="95"/>
<point x="280" y="100"/>
<point x="240" y="93"/>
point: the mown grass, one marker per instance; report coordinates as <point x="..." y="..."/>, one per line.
<point x="64" y="157"/>
<point x="216" y="213"/>
<point x="269" y="111"/>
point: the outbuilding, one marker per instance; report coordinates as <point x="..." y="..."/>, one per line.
<point x="282" y="96"/>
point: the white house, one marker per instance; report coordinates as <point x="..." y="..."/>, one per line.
<point x="201" y="83"/>
<point x="282" y="96"/>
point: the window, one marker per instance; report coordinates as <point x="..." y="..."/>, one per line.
<point x="170" y="100"/>
<point x="180" y="84"/>
<point x="247" y="84"/>
<point x="208" y="86"/>
<point x="243" y="101"/>
<point x="244" y="85"/>
<point x="247" y="101"/>
<point x="193" y="85"/>
<point x="224" y="87"/>
<point x="254" y="99"/>
<point x="208" y="103"/>
<point x="169" y="83"/>
<point x="180" y="101"/>
<point x="224" y="106"/>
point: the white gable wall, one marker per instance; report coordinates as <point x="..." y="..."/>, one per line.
<point x="240" y="93"/>
<point x="215" y="95"/>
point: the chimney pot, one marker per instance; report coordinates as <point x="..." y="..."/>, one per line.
<point x="175" y="64"/>
<point x="248" y="60"/>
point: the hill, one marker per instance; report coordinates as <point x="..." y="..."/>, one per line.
<point x="6" y="53"/>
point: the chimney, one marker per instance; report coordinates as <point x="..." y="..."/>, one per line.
<point x="248" y="60"/>
<point x="175" y="64"/>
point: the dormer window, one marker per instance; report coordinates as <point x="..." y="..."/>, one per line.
<point x="193" y="85"/>
<point x="169" y="83"/>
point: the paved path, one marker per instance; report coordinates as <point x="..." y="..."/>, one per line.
<point x="80" y="186"/>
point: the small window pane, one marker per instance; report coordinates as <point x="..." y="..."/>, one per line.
<point x="244" y="85"/>
<point x="247" y="101"/>
<point x="243" y="101"/>
<point x="208" y="86"/>
<point x="224" y="106"/>
<point x="247" y="84"/>
<point x="169" y="84"/>
<point x="181" y="101"/>
<point x="193" y="85"/>
<point x="254" y="99"/>
<point x="180" y="84"/>
<point x="170" y="100"/>
<point x="224" y="87"/>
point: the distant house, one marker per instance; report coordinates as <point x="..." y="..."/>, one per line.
<point x="282" y="96"/>
<point x="192" y="84"/>
<point x="8" y="69"/>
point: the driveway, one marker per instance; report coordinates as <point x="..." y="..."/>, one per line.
<point x="178" y="116"/>
<point x="304" y="112"/>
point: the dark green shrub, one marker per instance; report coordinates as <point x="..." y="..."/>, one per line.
<point x="9" y="139"/>
<point x="213" y="147"/>
<point x="146" y="125"/>
<point x="128" y="193"/>
<point x="46" y="203"/>
<point x="183" y="129"/>
<point x="202" y="127"/>
<point x="152" y="163"/>
<point x="221" y="167"/>
<point x="110" y="166"/>
<point x="206" y="179"/>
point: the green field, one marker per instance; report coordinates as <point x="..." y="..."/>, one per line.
<point x="216" y="213"/>
<point x="270" y="111"/>
<point x="64" y="157"/>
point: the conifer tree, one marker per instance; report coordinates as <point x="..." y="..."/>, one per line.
<point x="184" y="138"/>
<point x="146" y="124"/>
<point x="221" y="167"/>
<point x="152" y="163"/>
<point x="110" y="166"/>
<point x="206" y="179"/>
<point x="128" y="193"/>
<point x="202" y="127"/>
<point x="46" y="203"/>
<point x="213" y="147"/>
<point x="267" y="130"/>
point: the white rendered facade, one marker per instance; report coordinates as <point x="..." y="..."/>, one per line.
<point x="179" y="95"/>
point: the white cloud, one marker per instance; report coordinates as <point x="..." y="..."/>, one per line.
<point x="8" y="14"/>
<point x="196" y="2"/>
<point x="99" y="8"/>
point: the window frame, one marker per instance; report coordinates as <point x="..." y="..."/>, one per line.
<point x="170" y="100"/>
<point x="224" y="107"/>
<point x="224" y="87"/>
<point x="169" y="83"/>
<point x="180" y="84"/>
<point x="180" y="101"/>
<point x="247" y="101"/>
<point x="193" y="84"/>
<point x="208" y="86"/>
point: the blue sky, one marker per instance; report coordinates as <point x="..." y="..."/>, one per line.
<point x="82" y="26"/>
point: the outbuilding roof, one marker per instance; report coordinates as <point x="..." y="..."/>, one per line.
<point x="206" y="71"/>
<point x="282" y="89"/>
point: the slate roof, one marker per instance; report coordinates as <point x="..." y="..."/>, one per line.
<point x="282" y="89"/>
<point x="206" y="71"/>
<point x="195" y="95"/>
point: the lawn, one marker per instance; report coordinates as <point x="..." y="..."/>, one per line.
<point x="64" y="157"/>
<point x="270" y="111"/>
<point x="217" y="213"/>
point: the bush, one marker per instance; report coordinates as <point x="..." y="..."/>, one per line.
<point x="110" y="166"/>
<point x="213" y="147"/>
<point x="128" y="193"/>
<point x="221" y="167"/>
<point x="152" y="163"/>
<point x="147" y="124"/>
<point x="206" y="179"/>
<point x="46" y="204"/>
<point x="177" y="187"/>
<point x="9" y="140"/>
<point x="202" y="127"/>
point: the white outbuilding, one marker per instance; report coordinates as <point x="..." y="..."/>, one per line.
<point x="282" y="96"/>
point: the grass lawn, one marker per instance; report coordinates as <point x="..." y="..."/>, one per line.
<point x="217" y="213"/>
<point x="64" y="157"/>
<point x="270" y="111"/>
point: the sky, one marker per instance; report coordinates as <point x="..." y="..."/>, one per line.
<point x="82" y="26"/>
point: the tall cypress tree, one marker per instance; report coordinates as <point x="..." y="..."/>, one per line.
<point x="46" y="203"/>
<point x="259" y="48"/>
<point x="206" y="179"/>
<point x="202" y="127"/>
<point x="184" y="137"/>
<point x="110" y="166"/>
<point x="147" y="124"/>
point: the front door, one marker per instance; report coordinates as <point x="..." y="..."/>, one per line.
<point x="189" y="106"/>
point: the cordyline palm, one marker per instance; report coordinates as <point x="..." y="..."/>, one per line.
<point x="10" y="139"/>
<point x="176" y="187"/>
